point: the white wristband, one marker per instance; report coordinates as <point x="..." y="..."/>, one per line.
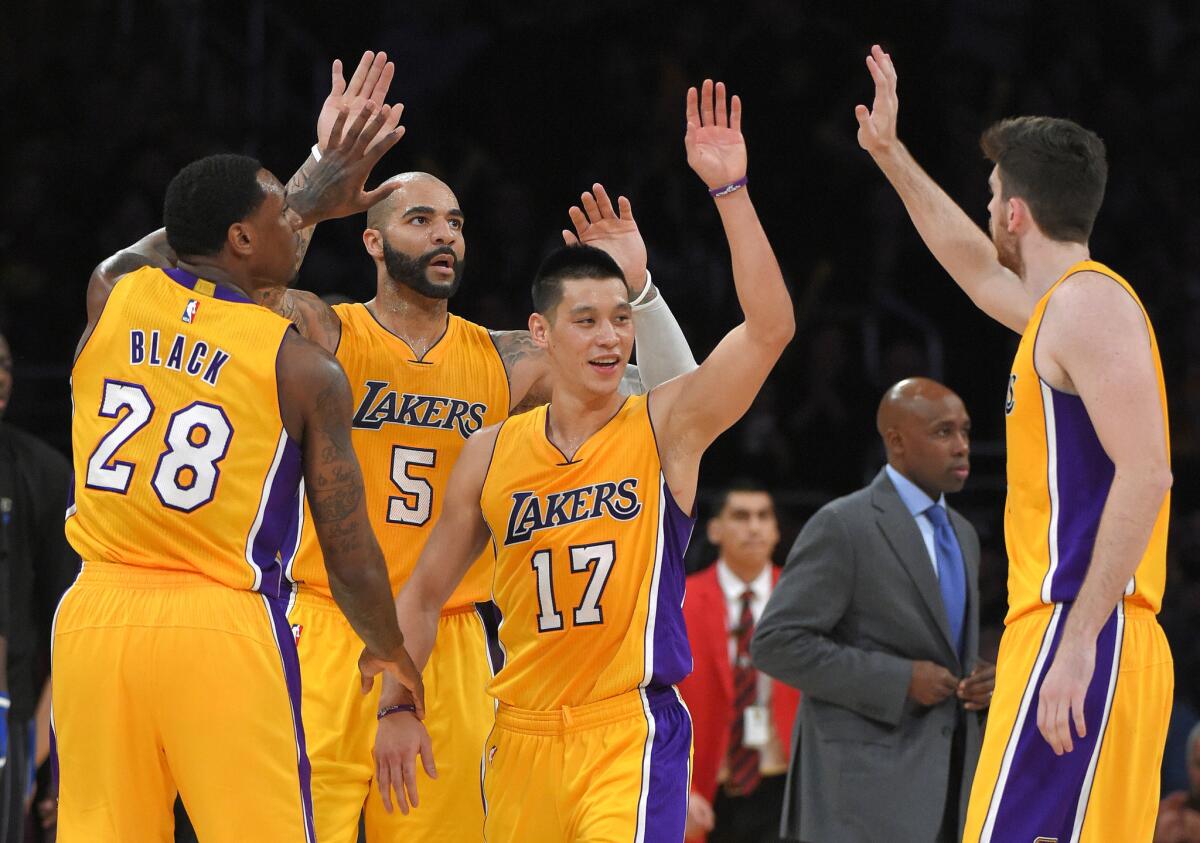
<point x="641" y="297"/>
<point x="316" y="152"/>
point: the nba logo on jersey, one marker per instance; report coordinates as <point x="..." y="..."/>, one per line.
<point x="296" y="630"/>
<point x="189" y="312"/>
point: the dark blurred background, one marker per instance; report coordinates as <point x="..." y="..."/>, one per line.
<point x="519" y="106"/>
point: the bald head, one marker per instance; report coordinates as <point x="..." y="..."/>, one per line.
<point x="926" y="432"/>
<point x="418" y="187"/>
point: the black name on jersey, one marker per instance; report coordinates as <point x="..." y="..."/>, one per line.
<point x="382" y="406"/>
<point x="531" y="512"/>
<point x="148" y="348"/>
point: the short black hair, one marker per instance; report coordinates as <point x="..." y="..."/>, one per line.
<point x="1057" y="166"/>
<point x="206" y="197"/>
<point x="571" y="263"/>
<point x="741" y="484"/>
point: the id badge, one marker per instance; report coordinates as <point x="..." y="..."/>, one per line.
<point x="756" y="727"/>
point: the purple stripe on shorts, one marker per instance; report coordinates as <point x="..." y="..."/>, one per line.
<point x="1083" y="478"/>
<point x="280" y="529"/>
<point x="672" y="653"/>
<point x="666" y="786"/>
<point x="277" y="608"/>
<point x="1041" y="791"/>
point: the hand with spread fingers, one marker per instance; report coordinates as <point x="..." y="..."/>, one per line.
<point x="370" y="83"/>
<point x="716" y="150"/>
<point x="1061" y="698"/>
<point x="877" y="125"/>
<point x="615" y="231"/>
<point x="336" y="185"/>
<point x="976" y="690"/>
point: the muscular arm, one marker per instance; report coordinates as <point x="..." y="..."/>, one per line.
<point x="298" y="182"/>
<point x="151" y="250"/>
<point x="1117" y="381"/>
<point x="959" y="245"/>
<point x="455" y="542"/>
<point x="316" y="402"/>
<point x="314" y="319"/>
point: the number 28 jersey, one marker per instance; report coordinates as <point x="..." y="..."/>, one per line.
<point x="412" y="417"/>
<point x="589" y="563"/>
<point x="180" y="455"/>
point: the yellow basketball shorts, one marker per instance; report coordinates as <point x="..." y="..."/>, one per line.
<point x="1107" y="787"/>
<point x="614" y="771"/>
<point x="340" y="725"/>
<point x="167" y="682"/>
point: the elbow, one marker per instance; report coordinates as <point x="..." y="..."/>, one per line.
<point x="780" y="331"/>
<point x="1163" y="479"/>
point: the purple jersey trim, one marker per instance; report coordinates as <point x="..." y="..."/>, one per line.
<point x="188" y="280"/>
<point x="1083" y="476"/>
<point x="666" y="767"/>
<point x="672" y="653"/>
<point x="278" y="534"/>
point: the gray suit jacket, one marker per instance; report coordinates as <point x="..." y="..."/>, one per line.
<point x="857" y="603"/>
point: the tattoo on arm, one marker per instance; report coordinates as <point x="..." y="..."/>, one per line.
<point x="520" y="353"/>
<point x="296" y="184"/>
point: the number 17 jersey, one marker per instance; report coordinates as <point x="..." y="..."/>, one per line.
<point x="412" y="416"/>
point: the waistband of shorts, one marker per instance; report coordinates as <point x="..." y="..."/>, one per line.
<point x="320" y="601"/>
<point x="567" y="719"/>
<point x="95" y="572"/>
<point x="1133" y="611"/>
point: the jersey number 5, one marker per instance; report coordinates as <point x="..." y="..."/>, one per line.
<point x="597" y="557"/>
<point x="414" y="504"/>
<point x="197" y="439"/>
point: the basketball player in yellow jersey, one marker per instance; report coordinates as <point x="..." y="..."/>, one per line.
<point x="1075" y="735"/>
<point x="586" y="502"/>
<point x="197" y="413"/>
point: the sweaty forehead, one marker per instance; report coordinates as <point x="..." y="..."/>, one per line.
<point x="423" y="192"/>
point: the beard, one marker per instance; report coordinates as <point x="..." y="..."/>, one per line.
<point x="1008" y="251"/>
<point x="413" y="272"/>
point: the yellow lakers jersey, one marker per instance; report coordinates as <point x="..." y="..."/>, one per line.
<point x="1058" y="481"/>
<point x="589" y="563"/>
<point x="181" y="458"/>
<point x="412" y="417"/>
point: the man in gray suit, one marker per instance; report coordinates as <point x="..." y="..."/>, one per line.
<point x="876" y="620"/>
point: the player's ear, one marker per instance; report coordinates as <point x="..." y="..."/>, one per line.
<point x="240" y="239"/>
<point x="539" y="330"/>
<point x="373" y="240"/>
<point x="1017" y="213"/>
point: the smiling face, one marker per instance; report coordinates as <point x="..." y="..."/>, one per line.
<point x="416" y="234"/>
<point x="588" y="333"/>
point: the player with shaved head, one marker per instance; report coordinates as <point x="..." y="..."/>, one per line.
<point x="425" y="380"/>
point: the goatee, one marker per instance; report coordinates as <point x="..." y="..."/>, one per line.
<point x="413" y="272"/>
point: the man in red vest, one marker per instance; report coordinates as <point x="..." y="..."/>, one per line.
<point x="742" y="720"/>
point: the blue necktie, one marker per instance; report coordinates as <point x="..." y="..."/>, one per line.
<point x="951" y="573"/>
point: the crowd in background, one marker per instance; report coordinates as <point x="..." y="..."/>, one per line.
<point x="519" y="109"/>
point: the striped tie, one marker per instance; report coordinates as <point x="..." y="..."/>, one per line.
<point x="744" y="772"/>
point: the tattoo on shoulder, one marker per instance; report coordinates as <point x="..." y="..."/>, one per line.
<point x="514" y="346"/>
<point x="335" y="488"/>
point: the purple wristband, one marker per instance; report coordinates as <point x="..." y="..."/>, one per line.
<point x="392" y="709"/>
<point x="718" y="192"/>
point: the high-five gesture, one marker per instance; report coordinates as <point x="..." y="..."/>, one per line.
<point x="614" y="230"/>
<point x="716" y="149"/>
<point x="370" y="83"/>
<point x="336" y="184"/>
<point x="877" y="126"/>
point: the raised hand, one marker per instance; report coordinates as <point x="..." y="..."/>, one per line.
<point x="598" y="224"/>
<point x="370" y="83"/>
<point x="400" y="666"/>
<point x="715" y="147"/>
<point x="877" y="125"/>
<point x="335" y="185"/>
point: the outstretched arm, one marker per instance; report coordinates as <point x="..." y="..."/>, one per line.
<point x="455" y="542"/>
<point x="692" y="410"/>
<point x="959" y="245"/>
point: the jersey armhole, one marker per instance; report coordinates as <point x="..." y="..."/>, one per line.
<point x="666" y="487"/>
<point x="508" y="403"/>
<point x="87" y="337"/>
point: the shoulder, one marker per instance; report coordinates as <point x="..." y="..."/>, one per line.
<point x="962" y="524"/>
<point x="702" y="583"/>
<point x="303" y="361"/>
<point x="1089" y="296"/>
<point x="514" y="346"/>
<point x="312" y="316"/>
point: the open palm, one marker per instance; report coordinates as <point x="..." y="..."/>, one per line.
<point x="614" y="230"/>
<point x="716" y="150"/>
<point x="370" y="83"/>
